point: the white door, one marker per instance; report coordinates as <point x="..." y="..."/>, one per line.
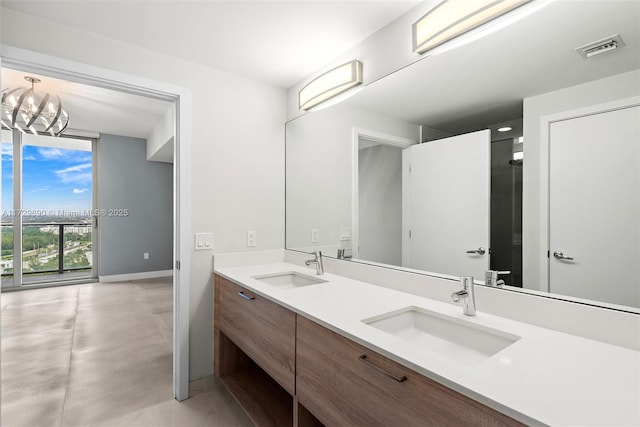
<point x="594" y="207"/>
<point x="446" y="202"/>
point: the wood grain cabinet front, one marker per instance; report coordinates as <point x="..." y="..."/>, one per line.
<point x="345" y="384"/>
<point x="263" y="330"/>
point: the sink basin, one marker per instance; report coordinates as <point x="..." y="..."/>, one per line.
<point x="456" y="339"/>
<point x="289" y="280"/>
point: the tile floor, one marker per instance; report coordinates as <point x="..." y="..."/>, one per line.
<point x="99" y="355"/>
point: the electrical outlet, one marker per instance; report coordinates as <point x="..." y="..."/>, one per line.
<point x="146" y="255"/>
<point x="315" y="235"/>
<point x="345" y="233"/>
<point x="251" y="239"/>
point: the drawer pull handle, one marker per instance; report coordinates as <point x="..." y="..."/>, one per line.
<point x="245" y="296"/>
<point x="366" y="361"/>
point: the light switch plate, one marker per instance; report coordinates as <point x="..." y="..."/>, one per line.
<point x="203" y="242"/>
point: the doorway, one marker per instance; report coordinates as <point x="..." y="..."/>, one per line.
<point x="376" y="232"/>
<point x="28" y="61"/>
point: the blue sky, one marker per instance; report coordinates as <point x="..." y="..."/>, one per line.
<point x="53" y="178"/>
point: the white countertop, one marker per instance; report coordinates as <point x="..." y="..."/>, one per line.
<point x="546" y="377"/>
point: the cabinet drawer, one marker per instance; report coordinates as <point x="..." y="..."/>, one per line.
<point x="263" y="330"/>
<point x="343" y="388"/>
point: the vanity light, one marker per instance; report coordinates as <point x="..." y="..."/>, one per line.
<point x="330" y="84"/>
<point x="504" y="129"/>
<point x="452" y="18"/>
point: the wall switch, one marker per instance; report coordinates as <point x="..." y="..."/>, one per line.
<point x="203" y="242"/>
<point x="315" y="235"/>
<point x="345" y="233"/>
<point x="251" y="239"/>
<point x="146" y="255"/>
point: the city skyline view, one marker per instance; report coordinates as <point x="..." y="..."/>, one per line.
<point x="55" y="180"/>
<point x="56" y="189"/>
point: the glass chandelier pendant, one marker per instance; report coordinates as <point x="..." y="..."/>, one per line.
<point x="25" y="110"/>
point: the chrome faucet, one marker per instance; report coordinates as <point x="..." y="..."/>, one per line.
<point x="466" y="296"/>
<point x="491" y="277"/>
<point x="317" y="260"/>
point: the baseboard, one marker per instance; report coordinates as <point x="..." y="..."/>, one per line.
<point x="135" y="276"/>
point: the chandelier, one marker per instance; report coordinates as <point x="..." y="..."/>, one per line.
<point x="24" y="110"/>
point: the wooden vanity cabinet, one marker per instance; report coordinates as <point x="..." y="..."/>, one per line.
<point x="345" y="384"/>
<point x="254" y="353"/>
<point x="286" y="370"/>
<point x="265" y="331"/>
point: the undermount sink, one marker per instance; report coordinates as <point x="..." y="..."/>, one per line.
<point x="456" y="339"/>
<point x="289" y="280"/>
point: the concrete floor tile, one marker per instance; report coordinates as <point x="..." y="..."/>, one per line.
<point x="215" y="408"/>
<point x="40" y="410"/>
<point x="99" y="354"/>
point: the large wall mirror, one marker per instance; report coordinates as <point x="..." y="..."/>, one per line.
<point x="515" y="152"/>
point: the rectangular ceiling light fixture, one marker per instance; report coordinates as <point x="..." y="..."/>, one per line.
<point x="330" y="84"/>
<point x="452" y="18"/>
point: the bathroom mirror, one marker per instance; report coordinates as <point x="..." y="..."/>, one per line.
<point x="411" y="172"/>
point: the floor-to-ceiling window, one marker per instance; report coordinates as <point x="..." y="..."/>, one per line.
<point x="48" y="207"/>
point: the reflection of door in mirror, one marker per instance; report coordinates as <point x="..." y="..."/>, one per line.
<point x="447" y="205"/>
<point x="594" y="207"/>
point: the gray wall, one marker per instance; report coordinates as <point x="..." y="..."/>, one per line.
<point x="126" y="180"/>
<point x="380" y="204"/>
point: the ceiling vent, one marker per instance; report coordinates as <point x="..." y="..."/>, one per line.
<point x="604" y="45"/>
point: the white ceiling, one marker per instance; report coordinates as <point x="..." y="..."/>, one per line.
<point x="279" y="42"/>
<point x="484" y="82"/>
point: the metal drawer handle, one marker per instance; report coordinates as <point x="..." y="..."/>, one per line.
<point x="560" y="255"/>
<point x="245" y="296"/>
<point x="479" y="251"/>
<point x="366" y="361"/>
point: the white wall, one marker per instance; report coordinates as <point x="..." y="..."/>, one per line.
<point x="319" y="170"/>
<point x="160" y="140"/>
<point x="596" y="92"/>
<point x="237" y="162"/>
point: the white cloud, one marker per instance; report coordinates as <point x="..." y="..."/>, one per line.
<point x="51" y="153"/>
<point x="80" y="190"/>
<point x="7" y="150"/>
<point x="75" y="174"/>
<point x="39" y="190"/>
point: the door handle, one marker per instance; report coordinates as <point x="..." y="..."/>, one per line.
<point x="560" y="255"/>
<point x="479" y="251"/>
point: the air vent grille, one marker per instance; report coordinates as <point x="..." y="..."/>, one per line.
<point x="604" y="45"/>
